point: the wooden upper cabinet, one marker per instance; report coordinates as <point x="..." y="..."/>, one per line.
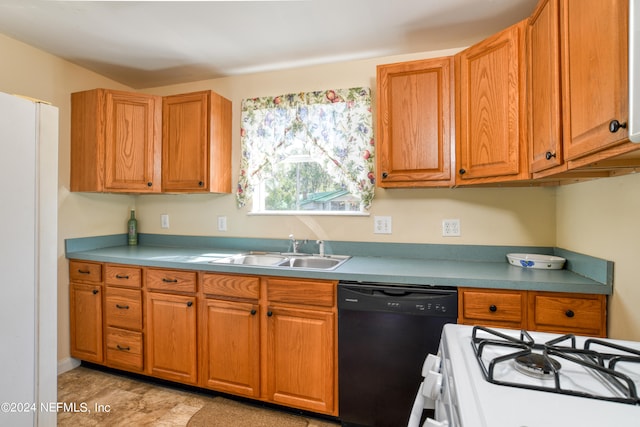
<point x="594" y="55"/>
<point x="415" y="119"/>
<point x="543" y="87"/>
<point x="115" y="142"/>
<point x="196" y="143"/>
<point x="490" y="111"/>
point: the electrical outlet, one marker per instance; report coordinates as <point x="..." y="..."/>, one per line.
<point x="222" y="223"/>
<point x="382" y="224"/>
<point x="450" y="227"/>
<point x="164" y="221"/>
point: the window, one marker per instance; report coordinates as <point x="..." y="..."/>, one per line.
<point x="307" y="152"/>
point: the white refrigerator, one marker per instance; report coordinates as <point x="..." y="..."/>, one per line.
<point x="28" y="261"/>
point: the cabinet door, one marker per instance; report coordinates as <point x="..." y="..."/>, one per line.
<point x="132" y="148"/>
<point x="86" y="321"/>
<point x="544" y="94"/>
<point x="594" y="55"/>
<point x="490" y="307"/>
<point x="491" y="145"/>
<point x="171" y="337"/>
<point x="301" y="358"/>
<point x="568" y="313"/>
<point x="415" y="109"/>
<point x="196" y="151"/>
<point x="115" y="141"/>
<point x="231" y="338"/>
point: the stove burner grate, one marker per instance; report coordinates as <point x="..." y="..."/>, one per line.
<point x="601" y="363"/>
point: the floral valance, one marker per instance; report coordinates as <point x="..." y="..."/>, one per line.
<point x="335" y="125"/>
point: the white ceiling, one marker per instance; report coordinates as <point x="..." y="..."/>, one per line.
<point x="154" y="43"/>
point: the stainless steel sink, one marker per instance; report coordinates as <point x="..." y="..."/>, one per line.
<point x="316" y="262"/>
<point x="290" y="260"/>
<point x="254" y="259"/>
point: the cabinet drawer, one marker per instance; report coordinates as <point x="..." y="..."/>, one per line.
<point x="81" y="271"/>
<point x="119" y="275"/>
<point x="300" y="291"/>
<point x="562" y="312"/>
<point x="231" y="286"/>
<point x="123" y="308"/>
<point x="124" y="349"/>
<point x="506" y="308"/>
<point x="170" y="280"/>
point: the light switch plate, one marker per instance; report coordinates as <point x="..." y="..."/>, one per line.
<point x="222" y="223"/>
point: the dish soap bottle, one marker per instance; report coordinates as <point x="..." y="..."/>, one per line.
<point x="132" y="227"/>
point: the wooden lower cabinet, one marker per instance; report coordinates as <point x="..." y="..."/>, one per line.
<point x="171" y="338"/>
<point x="86" y="321"/>
<point x="558" y="312"/>
<point x="231" y="340"/>
<point x="85" y="299"/>
<point x="301" y="363"/>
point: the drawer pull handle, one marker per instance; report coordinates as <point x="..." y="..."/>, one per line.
<point x="84" y="271"/>
<point x="119" y="347"/>
<point x="122" y="307"/>
<point x="493" y="308"/>
<point x="95" y="292"/>
<point x="569" y="313"/>
<point x="253" y="312"/>
<point x="165" y="280"/>
<point x="269" y="313"/>
<point x="189" y="303"/>
<point x="119" y="276"/>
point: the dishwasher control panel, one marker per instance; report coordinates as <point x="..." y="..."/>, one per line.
<point x="399" y="299"/>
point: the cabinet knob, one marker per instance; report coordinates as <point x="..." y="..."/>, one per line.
<point x="200" y="184"/>
<point x="614" y="126"/>
<point x="493" y="308"/>
<point x="549" y="155"/>
<point x="385" y="175"/>
<point x="189" y="303"/>
<point x="253" y="312"/>
<point x="569" y="313"/>
<point x="95" y="292"/>
<point x="462" y="171"/>
<point x="149" y="184"/>
<point x="269" y="313"/>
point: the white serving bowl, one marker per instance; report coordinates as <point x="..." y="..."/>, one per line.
<point x="546" y="262"/>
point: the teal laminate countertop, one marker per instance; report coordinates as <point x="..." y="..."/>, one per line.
<point x="406" y="264"/>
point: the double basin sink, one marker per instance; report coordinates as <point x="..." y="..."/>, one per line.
<point x="288" y="260"/>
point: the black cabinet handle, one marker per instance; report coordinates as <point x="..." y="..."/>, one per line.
<point x="118" y="276"/>
<point x="122" y="307"/>
<point x="385" y="175"/>
<point x="84" y="272"/>
<point x="549" y="155"/>
<point x="493" y="308"/>
<point x="189" y="303"/>
<point x="95" y="292"/>
<point x="149" y="184"/>
<point x="253" y="312"/>
<point x="165" y="280"/>
<point x="200" y="184"/>
<point x="614" y="126"/>
<point x="269" y="313"/>
<point x="119" y="347"/>
<point x="569" y="313"/>
<point x="462" y="171"/>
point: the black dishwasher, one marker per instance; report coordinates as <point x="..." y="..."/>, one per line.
<point x="385" y="332"/>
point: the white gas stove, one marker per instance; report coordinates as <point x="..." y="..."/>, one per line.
<point x="486" y="377"/>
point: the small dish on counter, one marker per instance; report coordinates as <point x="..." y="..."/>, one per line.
<point x="545" y="262"/>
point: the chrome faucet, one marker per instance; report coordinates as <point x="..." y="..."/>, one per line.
<point x="320" y="247"/>
<point x="294" y="244"/>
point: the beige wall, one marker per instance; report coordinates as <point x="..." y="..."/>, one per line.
<point x="600" y="218"/>
<point x="499" y="216"/>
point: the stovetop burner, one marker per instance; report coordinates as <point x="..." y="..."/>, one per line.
<point x="536" y="365"/>
<point x="599" y="370"/>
